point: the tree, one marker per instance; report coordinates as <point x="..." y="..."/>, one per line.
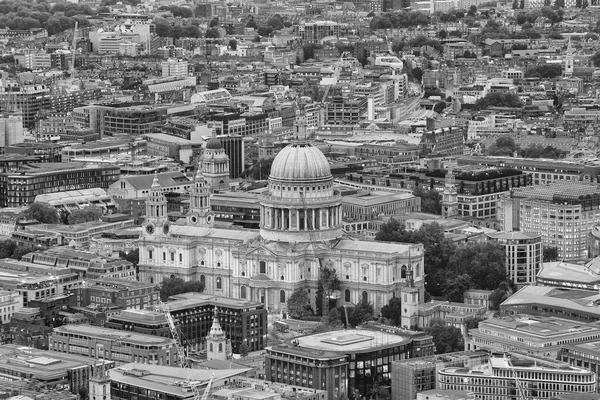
<point x="244" y="349"/>
<point x="298" y="305"/>
<point x="439" y="107"/>
<point x="550" y="254"/>
<point x="484" y="263"/>
<point x="87" y="214"/>
<point x="447" y="338"/>
<point x="498" y="100"/>
<point x="7" y="247"/>
<point x="276" y="22"/>
<point x="42" y="212"/>
<point x="251" y="23"/>
<point x="175" y="285"/>
<point x="361" y="313"/>
<point x="596" y="59"/>
<point x="455" y="287"/>
<point x="328" y="283"/>
<point x="431" y="201"/>
<point x="214" y="22"/>
<point x="83" y="393"/>
<point x="545" y="71"/>
<point x="504" y="290"/>
<point x="132" y="256"/>
<point x="212" y="33"/>
<point x="233" y="44"/>
<point x="333" y="318"/>
<point x="392" y="311"/>
<point x="503" y="146"/>
<point x="19" y="252"/>
<point x="473" y="322"/>
<point x="442" y="34"/>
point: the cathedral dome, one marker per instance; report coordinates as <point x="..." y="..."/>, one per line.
<point x="300" y="162"/>
<point x="214" y="144"/>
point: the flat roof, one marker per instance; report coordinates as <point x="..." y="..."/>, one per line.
<point x="584" y="301"/>
<point x="368" y="198"/>
<point x="112" y="334"/>
<point x="194" y="299"/>
<point x="570" y="272"/>
<point x="351" y="341"/>
<point x="169" y="380"/>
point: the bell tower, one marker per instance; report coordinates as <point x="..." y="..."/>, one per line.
<point x="99" y="383"/>
<point x="199" y="213"/>
<point x="157" y="221"/>
<point x="216" y="342"/>
<point x="449" y="197"/>
<point x="569" y="62"/>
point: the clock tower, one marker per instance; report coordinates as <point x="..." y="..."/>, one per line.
<point x="157" y="222"/>
<point x="199" y="213"/>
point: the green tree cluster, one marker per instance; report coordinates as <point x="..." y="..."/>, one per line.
<point x="506" y="146"/>
<point x="328" y="283"/>
<point x="10" y="249"/>
<point x="447" y="338"/>
<point x="298" y="305"/>
<point x="87" y="214"/>
<point x="175" y="285"/>
<point x="165" y="29"/>
<point x="41" y="212"/>
<point x="451" y="269"/>
<point x="392" y="311"/>
<point x="545" y="71"/>
<point x="498" y="99"/>
<point x="431" y="200"/>
<point x="28" y="14"/>
<point x="402" y="19"/>
<point x="357" y="315"/>
<point x="178" y="12"/>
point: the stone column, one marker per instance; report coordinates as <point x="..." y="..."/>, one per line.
<point x="312" y="216"/>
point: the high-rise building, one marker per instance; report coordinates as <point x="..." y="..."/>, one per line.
<point x="173" y="67"/>
<point x="11" y="130"/>
<point x="563" y="212"/>
<point x="524" y="255"/>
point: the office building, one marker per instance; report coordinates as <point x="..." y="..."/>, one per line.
<point x="27" y="100"/>
<point x="536" y="335"/>
<point x="514" y="376"/>
<point x="241" y="320"/>
<point x="48" y="368"/>
<point x="313" y="32"/>
<point x="236" y="208"/>
<point x="10" y="302"/>
<point x="368" y="205"/>
<point x="114" y="293"/>
<point x="524" y="255"/>
<point x="552" y="301"/>
<point x="103" y="343"/>
<point x="582" y="355"/>
<point x="564" y="213"/>
<point x="342" y="361"/>
<point x="19" y="188"/>
<point x="173" y="67"/>
<point x="414" y="375"/>
<point x="150" y="382"/>
<point x="11" y="130"/>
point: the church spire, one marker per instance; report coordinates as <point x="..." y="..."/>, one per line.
<point x="216" y="341"/>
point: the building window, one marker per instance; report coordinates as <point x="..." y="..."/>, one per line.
<point x="150" y="254"/>
<point x="203" y="280"/>
<point x="180" y="257"/>
<point x="220" y="347"/>
<point x="243" y="292"/>
<point x="172" y="256"/>
<point x="211" y="347"/>
<point x="263" y="267"/>
<point x="282" y="296"/>
<point x="365" y="297"/>
<point x="347" y="296"/>
<point x="219" y="283"/>
<point x="403" y="272"/>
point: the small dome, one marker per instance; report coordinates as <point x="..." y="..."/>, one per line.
<point x="214" y="144"/>
<point x="300" y="161"/>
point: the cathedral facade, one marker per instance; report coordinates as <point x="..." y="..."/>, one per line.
<point x="300" y="232"/>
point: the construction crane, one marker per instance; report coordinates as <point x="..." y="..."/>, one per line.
<point x="313" y="241"/>
<point x="519" y="384"/>
<point x="181" y="353"/>
<point x="73" y="45"/>
<point x="207" y="390"/>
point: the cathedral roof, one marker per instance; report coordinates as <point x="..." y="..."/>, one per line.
<point x="214" y="144"/>
<point x="300" y="161"/>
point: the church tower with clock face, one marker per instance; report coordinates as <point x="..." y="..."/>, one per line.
<point x="157" y="222"/>
<point x="199" y="213"/>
